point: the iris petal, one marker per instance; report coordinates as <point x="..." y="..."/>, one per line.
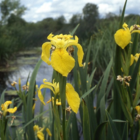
<point x="12" y="110"/>
<point x="132" y="60"/>
<point x="80" y="52"/>
<point x="72" y="98"/>
<point x="138" y="109"/>
<point x="46" y="52"/>
<point x="40" y="94"/>
<point x="62" y="62"/>
<point x="122" y="38"/>
<point x="136" y="31"/>
<point x="40" y="135"/>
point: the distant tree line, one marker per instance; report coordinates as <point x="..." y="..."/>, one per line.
<point x="17" y="34"/>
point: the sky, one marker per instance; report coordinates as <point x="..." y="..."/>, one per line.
<point x="37" y="10"/>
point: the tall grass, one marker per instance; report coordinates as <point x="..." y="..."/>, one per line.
<point x="108" y="110"/>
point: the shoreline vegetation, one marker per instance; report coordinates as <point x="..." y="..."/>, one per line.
<point x="103" y="98"/>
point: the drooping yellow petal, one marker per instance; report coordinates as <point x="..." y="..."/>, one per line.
<point x="46" y="52"/>
<point x="41" y="96"/>
<point x="62" y="62"/>
<point x="80" y="52"/>
<point x="72" y="98"/>
<point x="33" y="108"/>
<point x="49" y="132"/>
<point x="132" y="60"/>
<point x="122" y="38"/>
<point x="49" y="101"/>
<point x="39" y="91"/>
<point x="40" y="135"/>
<point x="136" y="31"/>
<point x="12" y="110"/>
<point x="138" y="109"/>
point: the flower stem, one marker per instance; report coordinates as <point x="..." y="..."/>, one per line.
<point x="62" y="88"/>
<point x="64" y="124"/>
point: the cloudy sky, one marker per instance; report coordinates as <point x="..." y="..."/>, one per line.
<point x="40" y="9"/>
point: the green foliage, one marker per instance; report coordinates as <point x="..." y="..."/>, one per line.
<point x="9" y="6"/>
<point x="113" y="114"/>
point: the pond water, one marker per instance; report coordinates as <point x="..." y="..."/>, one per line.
<point x="22" y="68"/>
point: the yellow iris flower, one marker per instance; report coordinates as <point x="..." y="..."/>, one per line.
<point x="52" y="100"/>
<point x="5" y="109"/>
<point x="39" y="130"/>
<point x="61" y="60"/>
<point x="134" y="58"/>
<point x="71" y="95"/>
<point x="138" y="109"/>
<point x="123" y="36"/>
<point x="49" y="132"/>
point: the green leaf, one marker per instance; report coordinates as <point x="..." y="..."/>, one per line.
<point x="30" y="100"/>
<point x="75" y="133"/>
<point x="125" y="131"/>
<point x="122" y="16"/>
<point x="62" y="88"/>
<point x="113" y="128"/>
<point x="57" y="122"/>
<point x="102" y="109"/>
<point x="87" y="56"/>
<point x="41" y="110"/>
<point x="2" y="98"/>
<point x="86" y="122"/>
<point x="104" y="83"/>
<point x="74" y="30"/>
<point x="134" y="75"/>
<point x="87" y="93"/>
<point x="99" y="131"/>
<point x="125" y="109"/>
<point x="89" y="79"/>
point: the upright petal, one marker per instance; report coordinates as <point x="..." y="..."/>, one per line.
<point x="62" y="62"/>
<point x="50" y="36"/>
<point x="72" y="98"/>
<point x="46" y="52"/>
<point x="5" y="105"/>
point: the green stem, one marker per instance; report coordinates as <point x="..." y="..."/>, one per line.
<point x="62" y="88"/>
<point x="132" y="127"/>
<point x="64" y="137"/>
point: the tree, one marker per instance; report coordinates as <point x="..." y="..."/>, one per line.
<point x="60" y="21"/>
<point x="90" y="12"/>
<point x="76" y="19"/>
<point x="9" y="7"/>
<point x="90" y="16"/>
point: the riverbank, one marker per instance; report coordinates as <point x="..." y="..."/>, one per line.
<point x="21" y="66"/>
